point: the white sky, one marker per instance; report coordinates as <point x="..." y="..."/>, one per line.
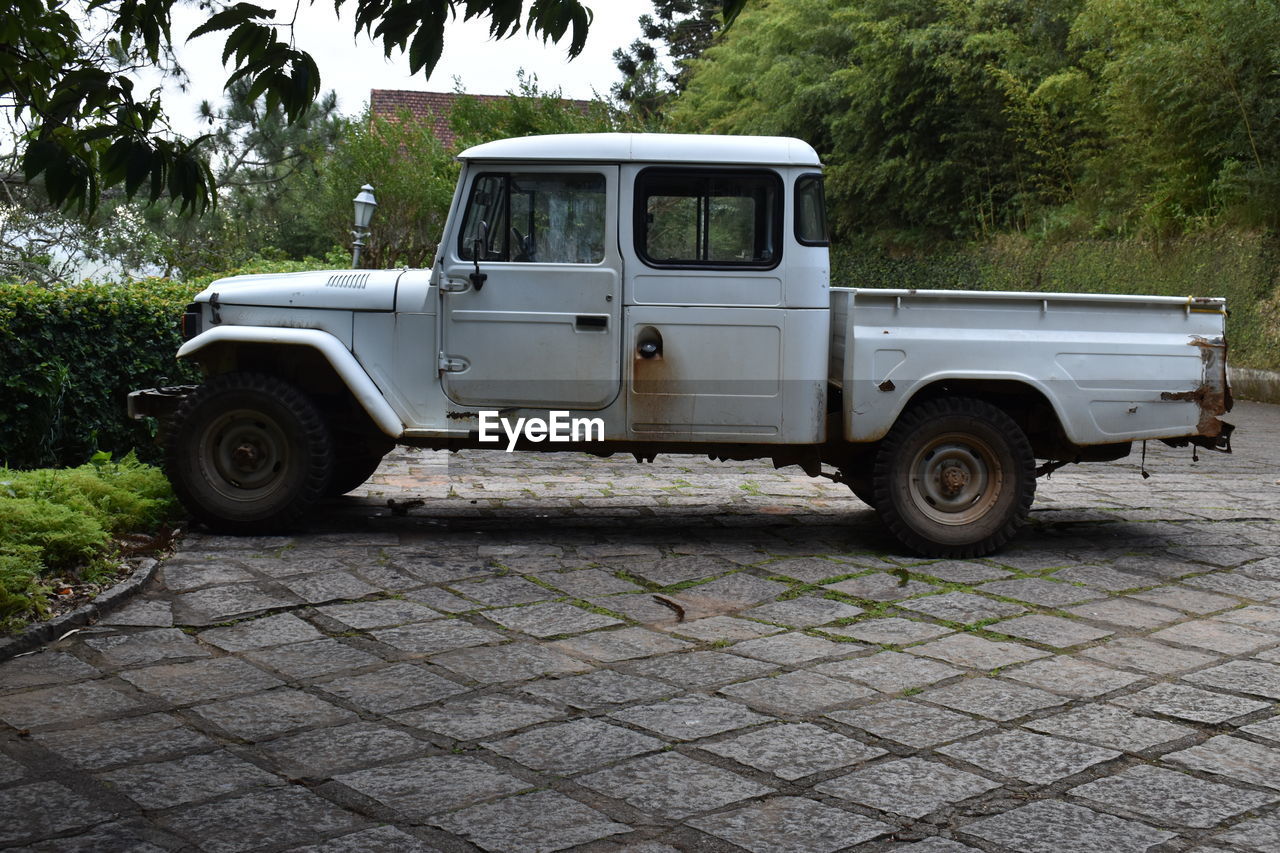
<point x="354" y="65"/>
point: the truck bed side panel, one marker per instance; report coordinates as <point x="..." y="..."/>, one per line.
<point x="1113" y="368"/>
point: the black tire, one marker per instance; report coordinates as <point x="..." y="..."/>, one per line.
<point x="955" y="477"/>
<point x="351" y="472"/>
<point x="248" y="453"/>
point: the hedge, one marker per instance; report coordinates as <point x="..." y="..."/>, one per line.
<point x="69" y="356"/>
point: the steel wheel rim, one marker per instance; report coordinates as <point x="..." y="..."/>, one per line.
<point x="244" y="455"/>
<point x="955" y="479"/>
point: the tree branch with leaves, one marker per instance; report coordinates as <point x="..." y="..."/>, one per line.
<point x="65" y="73"/>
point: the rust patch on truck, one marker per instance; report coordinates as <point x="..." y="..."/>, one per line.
<point x="1213" y="395"/>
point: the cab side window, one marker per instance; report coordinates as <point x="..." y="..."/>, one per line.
<point x="687" y="218"/>
<point x="535" y="218"/>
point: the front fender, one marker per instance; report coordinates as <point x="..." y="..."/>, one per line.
<point x="339" y="357"/>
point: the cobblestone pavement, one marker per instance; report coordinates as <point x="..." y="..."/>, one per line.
<point x="494" y="669"/>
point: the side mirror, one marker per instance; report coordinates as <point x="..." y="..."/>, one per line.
<point x="477" y="248"/>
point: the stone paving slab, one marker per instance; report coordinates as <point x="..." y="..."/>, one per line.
<point x="541" y="821"/>
<point x="1106" y="725"/>
<point x="1168" y="798"/>
<point x="570" y="653"/>
<point x="794" y="750"/>
<point x="1050" y="826"/>
<point x="785" y="824"/>
<point x="565" y="748"/>
<point x="1028" y="757"/>
<point x="424" y="787"/>
<point x="911" y="787"/>
<point x="672" y="785"/>
<point x="911" y="723"/>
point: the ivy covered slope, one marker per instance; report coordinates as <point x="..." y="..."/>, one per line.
<point x="60" y="530"/>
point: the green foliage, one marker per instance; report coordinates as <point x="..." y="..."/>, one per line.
<point x="772" y="74"/>
<point x="265" y="209"/>
<point x="65" y="538"/>
<point x="680" y="29"/>
<point x="527" y="110"/>
<point x="61" y="523"/>
<point x="22" y="595"/>
<point x="66" y="73"/>
<point x="968" y="118"/>
<point x="72" y="353"/>
<point x="902" y="98"/>
<point x="414" y="178"/>
<point x="1189" y="103"/>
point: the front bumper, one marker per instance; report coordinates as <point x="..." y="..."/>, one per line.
<point x="157" y="402"/>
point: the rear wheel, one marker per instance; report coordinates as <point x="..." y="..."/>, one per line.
<point x="955" y="477"/>
<point x="248" y="453"/>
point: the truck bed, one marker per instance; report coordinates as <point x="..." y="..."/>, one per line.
<point x="1114" y="368"/>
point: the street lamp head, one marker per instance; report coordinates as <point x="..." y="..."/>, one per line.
<point x="365" y="204"/>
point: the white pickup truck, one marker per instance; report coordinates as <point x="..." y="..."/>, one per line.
<point x="652" y="294"/>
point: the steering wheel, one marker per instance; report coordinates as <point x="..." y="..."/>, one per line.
<point x="525" y="250"/>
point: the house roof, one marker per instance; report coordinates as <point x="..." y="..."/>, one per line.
<point x="649" y="148"/>
<point x="432" y="106"/>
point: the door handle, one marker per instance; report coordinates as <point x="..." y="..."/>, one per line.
<point x="591" y="322"/>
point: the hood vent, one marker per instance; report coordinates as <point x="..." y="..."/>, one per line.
<point x="352" y="280"/>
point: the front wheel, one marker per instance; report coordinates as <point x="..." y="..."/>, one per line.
<point x="248" y="453"/>
<point x="954" y="477"/>
<point x="352" y="472"/>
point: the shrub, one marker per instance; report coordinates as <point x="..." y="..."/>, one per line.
<point x="22" y="596"/>
<point x="63" y="522"/>
<point x="71" y="354"/>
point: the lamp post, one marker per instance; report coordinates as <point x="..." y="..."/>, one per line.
<point x="365" y="204"/>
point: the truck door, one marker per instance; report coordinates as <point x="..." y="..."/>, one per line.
<point x="531" y="291"/>
<point x="726" y="311"/>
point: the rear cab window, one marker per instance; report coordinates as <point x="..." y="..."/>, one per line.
<point x="811" y="211"/>
<point x="708" y="218"/>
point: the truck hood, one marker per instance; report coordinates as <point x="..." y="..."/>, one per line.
<point x="347" y="290"/>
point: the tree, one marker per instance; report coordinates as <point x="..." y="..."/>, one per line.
<point x="414" y="178"/>
<point x="65" y="72"/>
<point x="42" y="244"/>
<point x="678" y="31"/>
<point x="260" y="162"/>
<point x="775" y="74"/>
<point x="527" y="110"/>
<point x="1188" y="97"/>
<point x="905" y="100"/>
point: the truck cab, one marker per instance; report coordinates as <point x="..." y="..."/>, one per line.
<point x="677" y="286"/>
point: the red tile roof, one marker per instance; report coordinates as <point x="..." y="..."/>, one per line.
<point x="434" y="106"/>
